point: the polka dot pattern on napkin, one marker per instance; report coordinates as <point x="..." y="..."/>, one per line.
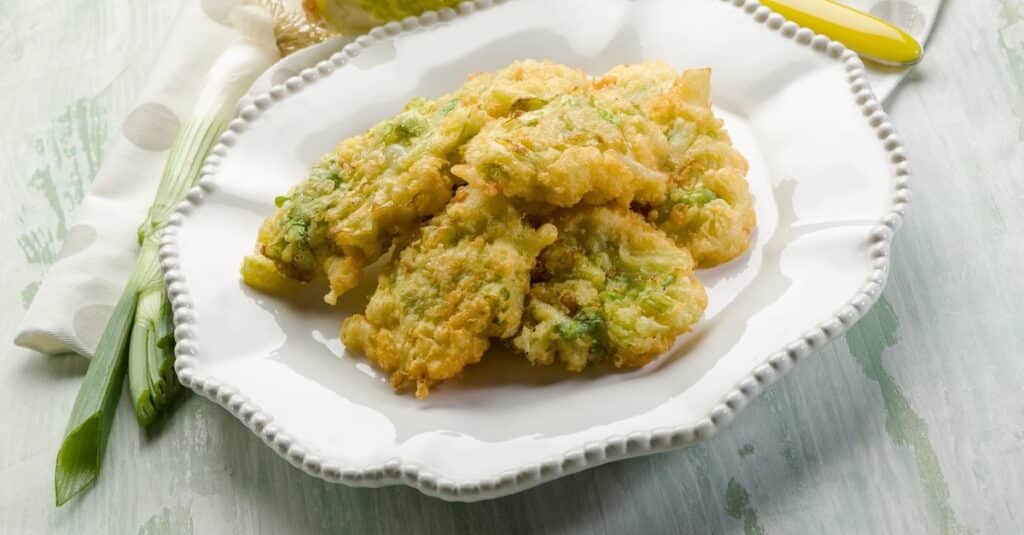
<point x="79" y="238"/>
<point x="218" y="9"/>
<point x="151" y="126"/>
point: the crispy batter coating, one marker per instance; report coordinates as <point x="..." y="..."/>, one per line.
<point x="461" y="282"/>
<point x="708" y="208"/>
<point x="607" y="193"/>
<point x="376" y="188"/>
<point x="611" y="287"/>
<point x="511" y="89"/>
<point x="370" y="190"/>
<point x="570" y="150"/>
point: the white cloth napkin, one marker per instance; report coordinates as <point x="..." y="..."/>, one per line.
<point x="74" y="302"/>
<point x="77" y="296"/>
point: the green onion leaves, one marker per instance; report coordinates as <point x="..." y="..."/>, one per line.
<point x="81" y="453"/>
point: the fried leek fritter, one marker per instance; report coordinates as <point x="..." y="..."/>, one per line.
<point x="562" y="214"/>
<point x="570" y="150"/>
<point x="376" y="188"/>
<point x="611" y="287"/>
<point x="461" y="282"/>
<point x="371" y="189"/>
<point x="708" y="208"/>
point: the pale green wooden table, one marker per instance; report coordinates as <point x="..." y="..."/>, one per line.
<point x="912" y="424"/>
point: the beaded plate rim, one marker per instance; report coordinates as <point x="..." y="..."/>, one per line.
<point x="771" y="368"/>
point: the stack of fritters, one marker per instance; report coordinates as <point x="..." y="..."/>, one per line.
<point x="534" y="205"/>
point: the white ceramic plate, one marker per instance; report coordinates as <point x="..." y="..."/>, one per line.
<point x="827" y="170"/>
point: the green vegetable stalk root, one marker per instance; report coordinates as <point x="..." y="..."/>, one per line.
<point x="151" y="377"/>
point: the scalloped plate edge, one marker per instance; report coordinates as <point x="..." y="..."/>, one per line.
<point x="771" y="368"/>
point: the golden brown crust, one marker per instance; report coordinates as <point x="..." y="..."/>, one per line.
<point x="570" y="150"/>
<point x="375" y="189"/>
<point x="461" y="282"/>
<point x="611" y="287"/>
<point x="707" y="207"/>
<point x="633" y="168"/>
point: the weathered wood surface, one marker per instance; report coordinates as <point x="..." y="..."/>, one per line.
<point x="912" y="424"/>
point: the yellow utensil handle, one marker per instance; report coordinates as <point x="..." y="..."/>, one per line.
<point x="865" y="34"/>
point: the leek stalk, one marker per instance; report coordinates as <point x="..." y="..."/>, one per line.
<point x="139" y="338"/>
<point x="151" y="378"/>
